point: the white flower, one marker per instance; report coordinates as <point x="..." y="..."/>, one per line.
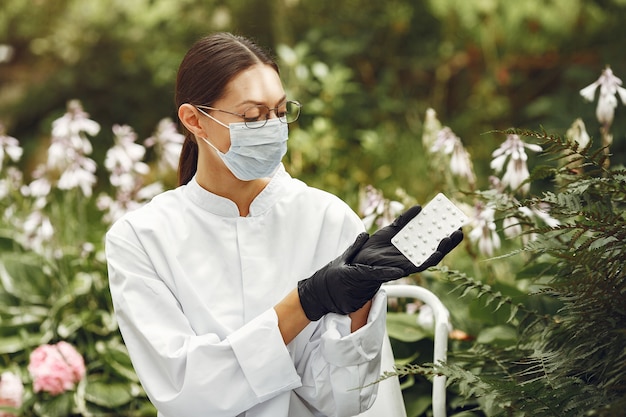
<point x="496" y="184"/>
<point x="371" y="201"/>
<point x="484" y="230"/>
<point x="512" y="226"/>
<point x="123" y="160"/>
<point x="412" y="308"/>
<point x="577" y="135"/>
<point x="9" y="147"/>
<point x="39" y="187"/>
<point x="59" y="155"/>
<point x="6" y="53"/>
<point x="168" y="143"/>
<point x="610" y="85"/>
<point x="541" y="212"/>
<point x="460" y="162"/>
<point x="37" y="230"/>
<point x="376" y="209"/>
<point x="5" y="188"/>
<point x="69" y="149"/>
<point x="444" y="141"/>
<point x="126" y="155"/>
<point x="107" y="204"/>
<point x="531" y="214"/>
<point x="426" y="317"/>
<point x="432" y="126"/>
<point x="126" y="201"/>
<point x="81" y="174"/>
<point x="68" y="137"/>
<point x="11" y="393"/>
<point x="10" y="181"/>
<point x="87" y="248"/>
<point x="73" y="124"/>
<point x="512" y="149"/>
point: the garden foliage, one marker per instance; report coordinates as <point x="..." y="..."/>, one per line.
<point x="558" y="347"/>
<point x="54" y="292"/>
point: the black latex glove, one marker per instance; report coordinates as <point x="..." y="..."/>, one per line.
<point x="343" y="286"/>
<point x="379" y="251"/>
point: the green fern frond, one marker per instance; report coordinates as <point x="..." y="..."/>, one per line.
<point x="571" y="359"/>
<point x="558" y="147"/>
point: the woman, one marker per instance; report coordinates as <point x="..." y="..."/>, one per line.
<point x="209" y="281"/>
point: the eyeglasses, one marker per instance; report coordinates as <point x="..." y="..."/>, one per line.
<point x="287" y="112"/>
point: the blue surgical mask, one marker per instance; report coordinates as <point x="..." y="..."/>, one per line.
<point x="254" y="153"/>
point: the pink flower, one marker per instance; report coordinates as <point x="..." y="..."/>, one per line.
<point x="11" y="392"/>
<point x="56" y="368"/>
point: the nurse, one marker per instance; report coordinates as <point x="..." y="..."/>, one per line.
<point x="235" y="293"/>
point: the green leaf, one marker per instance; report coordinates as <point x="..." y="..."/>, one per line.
<point x="55" y="406"/>
<point x="500" y="335"/>
<point x="22" y="277"/>
<point x="417" y="405"/>
<point x="116" y="357"/>
<point x="405" y="361"/>
<point x="404" y="327"/>
<point x="31" y="310"/>
<point x="535" y="270"/>
<point x="101" y="322"/>
<point x="417" y="396"/>
<point x="13" y="344"/>
<point x="107" y="394"/>
<point x="69" y="325"/>
<point x="407" y="382"/>
<point x="6" y="243"/>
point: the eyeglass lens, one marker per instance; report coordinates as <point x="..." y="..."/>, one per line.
<point x="287" y="113"/>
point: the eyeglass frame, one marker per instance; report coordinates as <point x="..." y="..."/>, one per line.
<point x="255" y="122"/>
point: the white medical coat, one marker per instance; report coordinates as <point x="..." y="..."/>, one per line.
<point x="194" y="285"/>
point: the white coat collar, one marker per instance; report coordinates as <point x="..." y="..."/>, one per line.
<point x="224" y="207"/>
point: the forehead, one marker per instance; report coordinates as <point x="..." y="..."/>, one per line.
<point x="259" y="84"/>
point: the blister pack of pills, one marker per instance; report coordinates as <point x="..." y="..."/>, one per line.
<point x="419" y="238"/>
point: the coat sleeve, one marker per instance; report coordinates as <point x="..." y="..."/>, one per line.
<point x="183" y="373"/>
<point x="338" y="366"/>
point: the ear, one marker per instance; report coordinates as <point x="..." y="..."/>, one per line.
<point x="189" y="116"/>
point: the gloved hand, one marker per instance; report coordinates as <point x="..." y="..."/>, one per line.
<point x="379" y="251"/>
<point x="343" y="286"/>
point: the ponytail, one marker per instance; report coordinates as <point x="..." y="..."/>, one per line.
<point x="188" y="162"/>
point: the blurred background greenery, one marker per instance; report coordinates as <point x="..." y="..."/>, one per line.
<point x="365" y="71"/>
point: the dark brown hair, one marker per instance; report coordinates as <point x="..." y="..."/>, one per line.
<point x="203" y="75"/>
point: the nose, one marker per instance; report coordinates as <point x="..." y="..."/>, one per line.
<point x="272" y="113"/>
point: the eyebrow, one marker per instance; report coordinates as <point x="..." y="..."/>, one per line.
<point x="254" y="102"/>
